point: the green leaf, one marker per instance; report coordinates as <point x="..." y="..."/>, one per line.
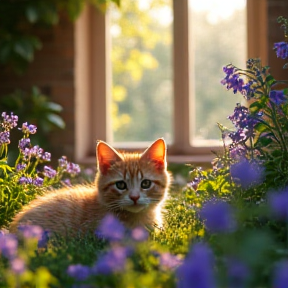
<point x="260" y="127"/>
<point x="32" y="14"/>
<point x="264" y="141"/>
<point x="270" y="80"/>
<point x="53" y="107"/>
<point x="56" y="120"/>
<point x="256" y="106"/>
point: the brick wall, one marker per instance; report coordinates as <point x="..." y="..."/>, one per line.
<point x="53" y="72"/>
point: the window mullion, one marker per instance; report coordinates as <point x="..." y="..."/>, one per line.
<point x="181" y="77"/>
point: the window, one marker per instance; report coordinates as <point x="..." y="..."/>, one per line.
<point x="186" y="126"/>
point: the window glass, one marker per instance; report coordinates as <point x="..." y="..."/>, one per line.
<point x="217" y="37"/>
<point x="142" y="84"/>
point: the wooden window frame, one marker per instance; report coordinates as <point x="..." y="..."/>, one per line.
<point x="93" y="80"/>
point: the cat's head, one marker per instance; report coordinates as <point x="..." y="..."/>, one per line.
<point x="132" y="181"/>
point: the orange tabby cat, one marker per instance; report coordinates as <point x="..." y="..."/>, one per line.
<point x="131" y="186"/>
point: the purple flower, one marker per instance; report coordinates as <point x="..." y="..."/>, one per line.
<point x="67" y="182"/>
<point x="20" y="167"/>
<point x="237" y="151"/>
<point x="31" y="231"/>
<point x="218" y="216"/>
<point x="238" y="273"/>
<point x="42" y="243"/>
<point x="280" y="278"/>
<point x="38" y="181"/>
<point x="281" y="49"/>
<point x="28" y="129"/>
<point x="79" y="272"/>
<point x="63" y="162"/>
<point x="36" y="151"/>
<point x="25" y="180"/>
<point x="197" y="269"/>
<point x="4" y="137"/>
<point x="8" y="245"/>
<point x="278" y="202"/>
<point x="246" y="173"/>
<point x="46" y="156"/>
<point x="169" y="261"/>
<point x="139" y="234"/>
<point x="9" y="121"/>
<point x="277" y="96"/>
<point x="49" y="172"/>
<point x="17" y="265"/>
<point x="73" y="169"/>
<point x="24" y="143"/>
<point x="113" y="261"/>
<point x="111" y="228"/>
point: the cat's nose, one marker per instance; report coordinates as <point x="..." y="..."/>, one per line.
<point x="134" y="198"/>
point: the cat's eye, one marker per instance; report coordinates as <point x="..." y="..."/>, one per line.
<point x="121" y="185"/>
<point x="146" y="184"/>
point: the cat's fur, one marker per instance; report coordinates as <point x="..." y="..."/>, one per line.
<point x="71" y="210"/>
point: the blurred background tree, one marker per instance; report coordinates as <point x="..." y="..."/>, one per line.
<point x="142" y="91"/>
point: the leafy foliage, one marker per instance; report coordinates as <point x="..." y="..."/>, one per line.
<point x="19" y="19"/>
<point x="28" y="176"/>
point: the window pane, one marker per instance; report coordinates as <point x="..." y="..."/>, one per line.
<point x="217" y="37"/>
<point x="142" y="88"/>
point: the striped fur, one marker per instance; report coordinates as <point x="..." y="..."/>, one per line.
<point x="71" y="210"/>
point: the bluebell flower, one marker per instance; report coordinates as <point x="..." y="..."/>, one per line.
<point x="169" y="261"/>
<point x="36" y="152"/>
<point x="43" y="241"/>
<point x="24" y="143"/>
<point x="20" y="166"/>
<point x="9" y="121"/>
<point x="218" y="216"/>
<point x="25" y="180"/>
<point x="111" y="228"/>
<point x="281" y="49"/>
<point x="31" y="231"/>
<point x="197" y="270"/>
<point x="46" y="156"/>
<point x="237" y="272"/>
<point x="38" y="181"/>
<point x="73" y="168"/>
<point x="278" y="202"/>
<point x="28" y="129"/>
<point x="79" y="272"/>
<point x="246" y="173"/>
<point x="280" y="278"/>
<point x="139" y="234"/>
<point x="4" y="137"/>
<point x="63" y="162"/>
<point x="277" y="96"/>
<point x="49" y="172"/>
<point x="113" y="261"/>
<point x="8" y="245"/>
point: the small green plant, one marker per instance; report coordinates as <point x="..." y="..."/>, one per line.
<point x="29" y="174"/>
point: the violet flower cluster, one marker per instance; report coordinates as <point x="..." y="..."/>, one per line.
<point x="30" y="156"/>
<point x="10" y="246"/>
<point x="123" y="244"/>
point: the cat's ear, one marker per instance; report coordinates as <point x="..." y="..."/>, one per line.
<point x="156" y="153"/>
<point x="106" y="156"/>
